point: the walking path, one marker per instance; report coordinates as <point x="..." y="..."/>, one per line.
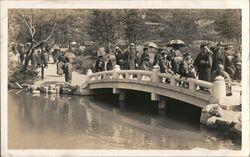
<point x="50" y="75"/>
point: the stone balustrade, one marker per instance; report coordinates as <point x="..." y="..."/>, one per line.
<point x="214" y="93"/>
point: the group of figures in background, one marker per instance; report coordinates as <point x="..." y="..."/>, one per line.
<point x="208" y="64"/>
<point x="41" y="57"/>
<point x="211" y="62"/>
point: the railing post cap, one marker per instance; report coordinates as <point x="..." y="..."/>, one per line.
<point x="157" y="67"/>
<point x="219" y="78"/>
<point x="116" y="67"/>
<point x="89" y="71"/>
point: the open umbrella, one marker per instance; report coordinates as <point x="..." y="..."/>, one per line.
<point x="173" y="43"/>
<point x="71" y="56"/>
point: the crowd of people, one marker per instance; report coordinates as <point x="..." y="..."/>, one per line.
<point x="41" y="56"/>
<point x="209" y="63"/>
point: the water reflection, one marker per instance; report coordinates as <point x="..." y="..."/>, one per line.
<point x="54" y="121"/>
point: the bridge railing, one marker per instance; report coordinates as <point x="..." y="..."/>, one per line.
<point x="191" y="86"/>
<point x="188" y="83"/>
<point x="104" y="75"/>
<point x="138" y="75"/>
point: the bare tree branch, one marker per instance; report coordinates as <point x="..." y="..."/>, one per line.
<point x="51" y="33"/>
<point x="25" y="21"/>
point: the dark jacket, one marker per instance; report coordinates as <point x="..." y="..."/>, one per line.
<point x="203" y="62"/>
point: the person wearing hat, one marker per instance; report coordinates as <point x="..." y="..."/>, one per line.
<point x="158" y="59"/>
<point x="119" y="57"/>
<point x="220" y="72"/>
<point x="203" y="63"/>
<point x="131" y="52"/>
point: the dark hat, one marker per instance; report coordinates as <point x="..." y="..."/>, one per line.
<point x="203" y="45"/>
<point x="160" y="49"/>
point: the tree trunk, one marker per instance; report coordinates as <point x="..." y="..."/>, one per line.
<point x="27" y="59"/>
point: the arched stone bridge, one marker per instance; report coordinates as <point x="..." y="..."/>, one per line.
<point x="160" y="85"/>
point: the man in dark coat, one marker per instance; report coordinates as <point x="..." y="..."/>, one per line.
<point x="126" y="60"/>
<point x="218" y="56"/>
<point x="158" y="60"/>
<point x="99" y="64"/>
<point x="203" y="63"/>
<point x="144" y="54"/>
<point x="119" y="57"/>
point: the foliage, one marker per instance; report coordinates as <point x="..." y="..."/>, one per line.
<point x="21" y="77"/>
<point x="134" y="25"/>
<point x="103" y="27"/>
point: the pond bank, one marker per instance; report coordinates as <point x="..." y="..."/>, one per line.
<point x="215" y="116"/>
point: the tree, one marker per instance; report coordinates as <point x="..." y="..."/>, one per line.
<point x="228" y="23"/>
<point x="35" y="29"/>
<point x="134" y="25"/>
<point x="104" y="26"/>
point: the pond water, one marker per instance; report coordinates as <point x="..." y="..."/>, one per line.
<point x="81" y="122"/>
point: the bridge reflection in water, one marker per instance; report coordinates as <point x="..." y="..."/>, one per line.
<point x="71" y="122"/>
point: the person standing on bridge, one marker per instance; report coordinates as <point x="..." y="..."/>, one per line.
<point x="158" y="59"/>
<point x="99" y="64"/>
<point x="119" y="57"/>
<point x="131" y="56"/>
<point x="203" y="63"/>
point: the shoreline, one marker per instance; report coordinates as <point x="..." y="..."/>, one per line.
<point x="212" y="117"/>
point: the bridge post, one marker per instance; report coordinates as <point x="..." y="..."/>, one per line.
<point x="156" y="70"/>
<point x="219" y="89"/>
<point x="155" y="79"/>
<point x="89" y="72"/>
<point x="115" y="69"/>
